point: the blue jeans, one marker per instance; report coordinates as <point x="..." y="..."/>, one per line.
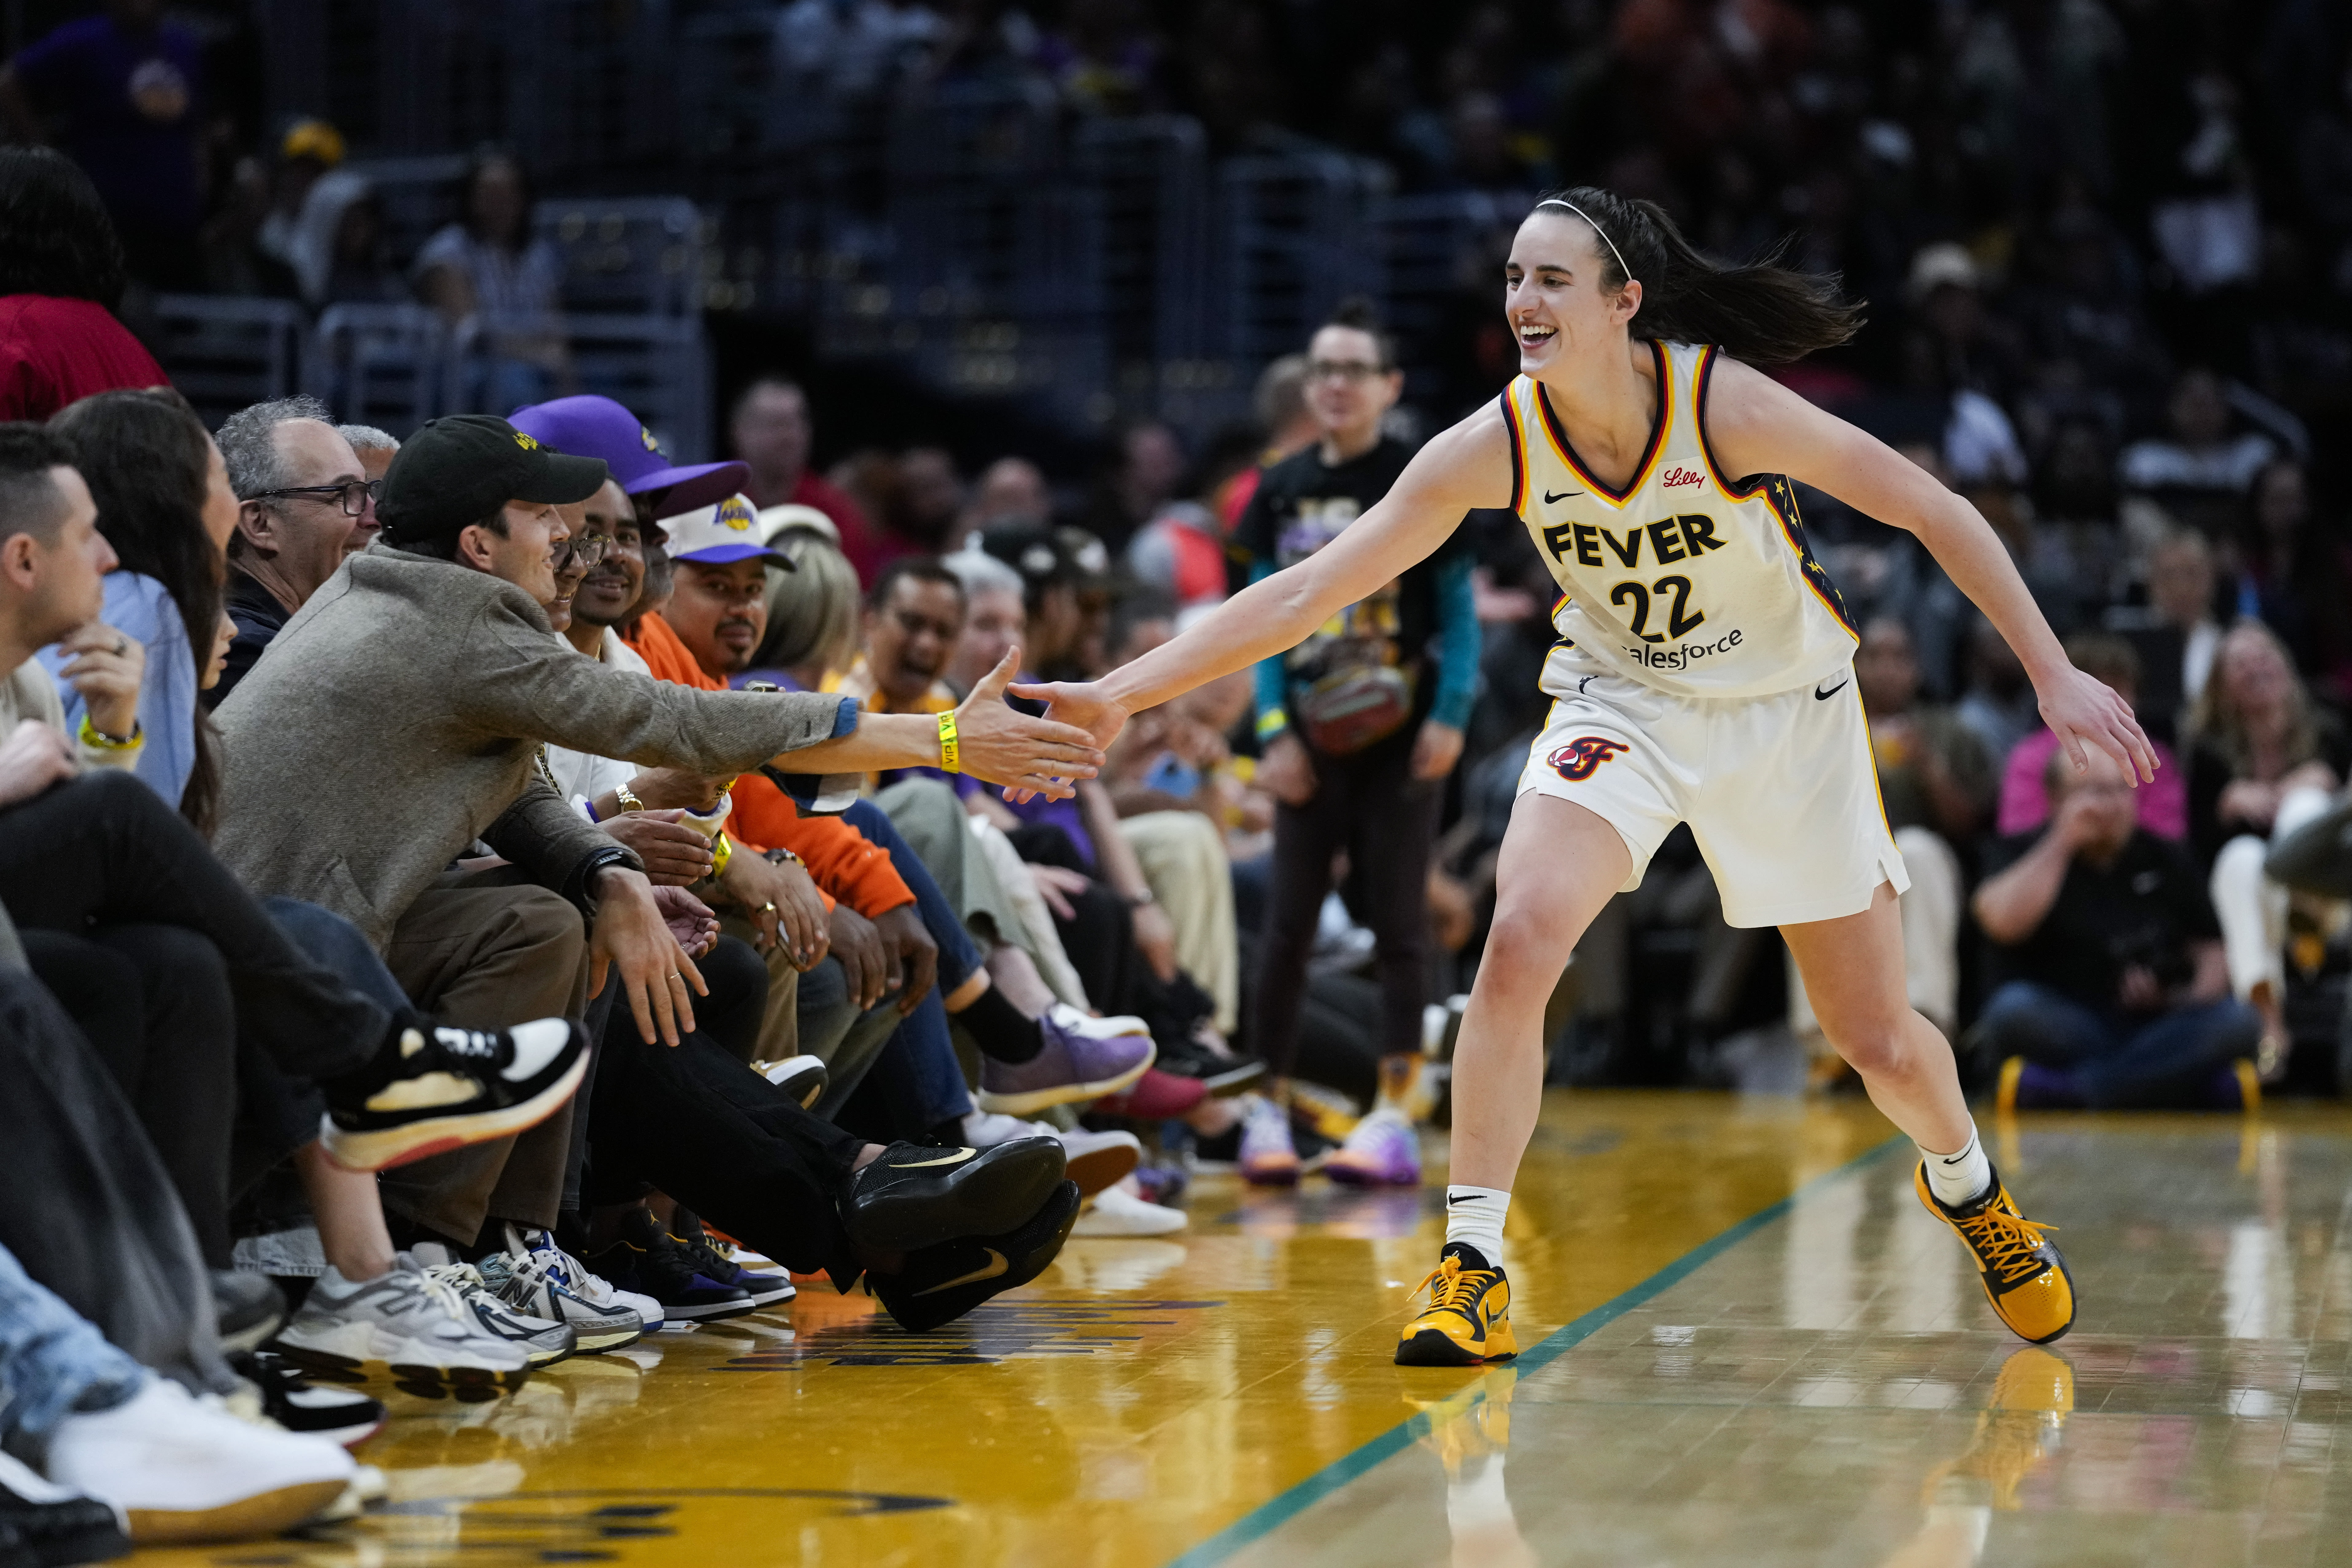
<point x="919" y="1062"/>
<point x="959" y="955"/>
<point x="2119" y="1061"/>
<point x="52" y="1362"/>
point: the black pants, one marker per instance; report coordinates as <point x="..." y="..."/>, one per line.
<point x="85" y="1206"/>
<point x="104" y="851"/>
<point x="1372" y="807"/>
<point x="153" y="1001"/>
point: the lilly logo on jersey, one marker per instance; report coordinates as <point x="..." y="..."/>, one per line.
<point x="1678" y="477"/>
<point x="1582" y="757"/>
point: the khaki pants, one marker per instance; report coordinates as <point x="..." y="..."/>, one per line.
<point x="479" y="950"/>
<point x="1183" y="859"/>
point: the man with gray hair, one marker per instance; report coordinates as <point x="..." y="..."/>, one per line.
<point x="376" y="448"/>
<point x="305" y="503"/>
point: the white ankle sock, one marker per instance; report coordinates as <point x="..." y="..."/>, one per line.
<point x="1474" y="1215"/>
<point x="1958" y="1179"/>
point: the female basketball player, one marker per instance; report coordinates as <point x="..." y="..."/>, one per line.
<point x="1703" y="675"/>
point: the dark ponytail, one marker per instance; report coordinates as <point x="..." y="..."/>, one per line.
<point x="1760" y="311"/>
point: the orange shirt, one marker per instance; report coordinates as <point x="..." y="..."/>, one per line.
<point x="841" y="860"/>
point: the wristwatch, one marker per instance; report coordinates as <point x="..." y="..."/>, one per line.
<point x="627" y="797"/>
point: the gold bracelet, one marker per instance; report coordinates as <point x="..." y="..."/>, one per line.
<point x="720" y="853"/>
<point x="950" y="758"/>
<point x="627" y="797"/>
<point x="91" y="736"/>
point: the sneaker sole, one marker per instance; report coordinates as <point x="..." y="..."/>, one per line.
<point x="709" y="1312"/>
<point x="991" y="1194"/>
<point x="254" y="1335"/>
<point x="1430" y="1348"/>
<point x="1102" y="1168"/>
<point x="1033" y="1101"/>
<point x="1226" y="1084"/>
<point x="385" y="1148"/>
<point x="467" y="1384"/>
<point x="262" y="1514"/>
<point x="1060" y="1210"/>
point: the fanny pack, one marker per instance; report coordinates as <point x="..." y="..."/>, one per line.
<point x="1344" y="713"/>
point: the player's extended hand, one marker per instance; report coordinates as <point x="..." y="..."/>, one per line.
<point x="2082" y="709"/>
<point x="1074" y="702"/>
<point x="1030" y="757"/>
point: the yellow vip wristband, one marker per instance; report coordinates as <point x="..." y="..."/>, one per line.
<point x="720" y="853"/>
<point x="91" y="736"/>
<point x="949" y="757"/>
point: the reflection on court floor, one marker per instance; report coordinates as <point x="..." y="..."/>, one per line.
<point x="1717" y="1373"/>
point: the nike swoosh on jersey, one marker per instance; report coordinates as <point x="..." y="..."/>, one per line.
<point x="1550" y="498"/>
<point x="1821" y="696"/>
<point x="995" y="1265"/>
<point x="955" y="1157"/>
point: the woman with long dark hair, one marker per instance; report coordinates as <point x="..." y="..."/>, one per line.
<point x="1704" y="674"/>
<point x="61" y="278"/>
<point x="165" y="503"/>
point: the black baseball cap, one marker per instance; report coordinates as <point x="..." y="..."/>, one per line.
<point x="460" y="469"/>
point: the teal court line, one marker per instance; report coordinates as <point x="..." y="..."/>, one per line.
<point x="1273" y="1514"/>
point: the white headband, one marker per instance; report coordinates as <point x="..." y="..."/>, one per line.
<point x="1556" y="202"/>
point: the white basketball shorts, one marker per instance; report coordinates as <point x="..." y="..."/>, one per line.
<point x="1781" y="792"/>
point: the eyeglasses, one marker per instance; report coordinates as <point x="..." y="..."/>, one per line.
<point x="1347" y="370"/>
<point x="581" y="551"/>
<point x="354" y="497"/>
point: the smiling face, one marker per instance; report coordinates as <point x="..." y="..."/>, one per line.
<point x="719" y="611"/>
<point x="609" y="591"/>
<point x="568" y="576"/>
<point x="1552" y="293"/>
<point x="525" y="556"/>
<point x="909" y="635"/>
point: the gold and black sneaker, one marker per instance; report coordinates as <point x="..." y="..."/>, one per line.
<point x="2024" y="1276"/>
<point x="1468" y="1319"/>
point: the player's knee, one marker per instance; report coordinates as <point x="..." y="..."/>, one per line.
<point x="1524" y="948"/>
<point x="1875" y="1047"/>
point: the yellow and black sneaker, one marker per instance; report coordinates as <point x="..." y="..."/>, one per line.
<point x="2023" y="1277"/>
<point x="1468" y="1320"/>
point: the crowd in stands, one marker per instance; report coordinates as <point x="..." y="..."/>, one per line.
<point x="473" y="898"/>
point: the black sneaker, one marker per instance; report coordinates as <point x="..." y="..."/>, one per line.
<point x="247" y="1307"/>
<point x="342" y="1416"/>
<point x="1222" y="1075"/>
<point x="432" y="1088"/>
<point x="942" y="1283"/>
<point x="911" y="1195"/>
<point x="45" y="1525"/>
<point x="647" y="1262"/>
<point x="765" y="1289"/>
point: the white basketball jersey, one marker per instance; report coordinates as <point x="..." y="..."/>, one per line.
<point x="1685" y="581"/>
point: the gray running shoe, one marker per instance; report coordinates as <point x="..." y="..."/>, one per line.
<point x="533" y="1284"/>
<point x="544" y="1341"/>
<point x="404" y="1326"/>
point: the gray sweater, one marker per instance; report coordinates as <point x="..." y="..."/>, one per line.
<point x="394" y="721"/>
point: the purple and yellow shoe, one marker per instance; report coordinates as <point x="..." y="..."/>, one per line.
<point x="1072" y="1065"/>
<point x="1382" y="1151"/>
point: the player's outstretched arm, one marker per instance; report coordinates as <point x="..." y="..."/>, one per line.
<point x="1755" y="426"/>
<point x="1465" y="468"/>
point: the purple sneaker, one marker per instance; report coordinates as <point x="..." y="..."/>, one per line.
<point x="1071" y="1066"/>
<point x="1382" y="1151"/>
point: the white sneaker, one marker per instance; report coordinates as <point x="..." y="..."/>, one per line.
<point x="183" y="1471"/>
<point x="1109" y="1028"/>
<point x="405" y="1326"/>
<point x="584" y="1282"/>
<point x="544" y="1341"/>
<point x="533" y="1284"/>
<point x="1096" y="1159"/>
<point x="1116" y="1211"/>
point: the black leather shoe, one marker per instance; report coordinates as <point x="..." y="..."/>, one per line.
<point x="912" y="1196"/>
<point x="941" y="1284"/>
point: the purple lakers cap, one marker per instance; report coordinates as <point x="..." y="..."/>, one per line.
<point x="592" y="426"/>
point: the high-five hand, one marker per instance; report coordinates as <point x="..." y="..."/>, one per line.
<point x="1076" y="702"/>
<point x="1002" y="745"/>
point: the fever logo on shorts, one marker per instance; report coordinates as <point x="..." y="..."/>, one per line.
<point x="1581" y="757"/>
